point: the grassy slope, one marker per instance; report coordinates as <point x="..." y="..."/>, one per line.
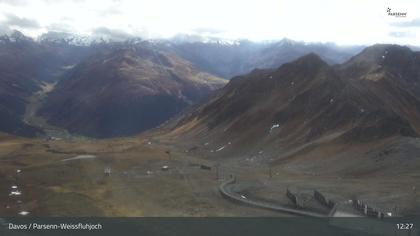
<point x="51" y="187"/>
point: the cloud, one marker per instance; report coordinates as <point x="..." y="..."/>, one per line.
<point x="4" y="29"/>
<point x="110" y="12"/>
<point x="13" y="20"/>
<point x="60" y="1"/>
<point x="27" y="2"/>
<point x="14" y="2"/>
<point x="111" y="34"/>
<point x="60" y="27"/>
<point x="402" y="34"/>
<point x="205" y="30"/>
<point x="412" y="23"/>
<point x="256" y="19"/>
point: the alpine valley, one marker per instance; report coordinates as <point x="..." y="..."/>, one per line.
<point x="171" y="127"/>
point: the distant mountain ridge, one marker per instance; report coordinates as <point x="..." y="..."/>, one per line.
<point x="26" y="64"/>
<point x="221" y="57"/>
<point x="242" y="56"/>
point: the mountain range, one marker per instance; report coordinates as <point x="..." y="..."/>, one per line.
<point x="284" y="118"/>
<point x="124" y="90"/>
<point x="311" y="109"/>
<point x="228" y="59"/>
<point x="107" y="89"/>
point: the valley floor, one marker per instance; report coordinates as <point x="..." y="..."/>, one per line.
<point x="31" y="117"/>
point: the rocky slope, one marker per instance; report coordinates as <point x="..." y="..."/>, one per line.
<point x="307" y="109"/>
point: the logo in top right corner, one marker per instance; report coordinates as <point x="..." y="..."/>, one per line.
<point x="396" y="13"/>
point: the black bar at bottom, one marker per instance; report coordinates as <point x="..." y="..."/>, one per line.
<point x="185" y="226"/>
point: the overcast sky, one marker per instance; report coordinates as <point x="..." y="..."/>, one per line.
<point x="339" y="21"/>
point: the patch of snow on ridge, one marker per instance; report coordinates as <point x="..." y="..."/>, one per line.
<point x="274" y="126"/>
<point x="80" y="157"/>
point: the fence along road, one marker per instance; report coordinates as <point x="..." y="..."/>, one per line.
<point x="226" y="190"/>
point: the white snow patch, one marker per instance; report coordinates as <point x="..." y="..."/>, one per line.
<point x="252" y="159"/>
<point x="220" y="149"/>
<point x="18" y="171"/>
<point x="274" y="126"/>
<point x="80" y="157"/>
<point x="14" y="187"/>
<point x="24" y="213"/>
<point x="15" y="193"/>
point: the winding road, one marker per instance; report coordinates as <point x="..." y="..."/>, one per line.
<point x="226" y="190"/>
